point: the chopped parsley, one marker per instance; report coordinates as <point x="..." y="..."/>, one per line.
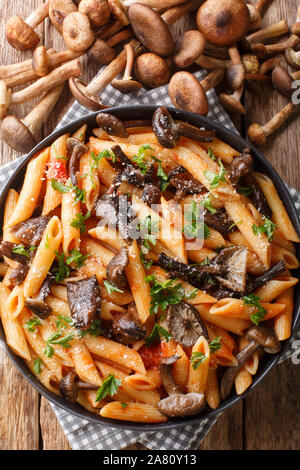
<point x="47" y="245"/>
<point x="206" y="202"/>
<point x="246" y="191"/>
<point x="57" y="338"/>
<point x="196" y="359"/>
<point x="109" y="387"/>
<point x="21" y="250"/>
<point x="164" y="180"/>
<point x="147" y="228"/>
<point x="215" y="345"/>
<point x="31" y="324"/>
<point x="124" y="405"/>
<point x="64" y="322"/>
<point x="37" y="366"/>
<point x="213" y="178"/>
<point x="156" y="334"/>
<point x="211" y="154"/>
<point x="142" y="160"/>
<point x="63" y="188"/>
<point x="79" y="221"/>
<point x="254" y="301"/>
<point x="94" y="329"/>
<point x="268" y="228"/>
<point x="235" y="224"/>
<point x="108" y="154"/>
<point x="62" y="269"/>
<point x="196" y="228"/>
<point x="111" y="288"/>
<point x="77" y="258"/>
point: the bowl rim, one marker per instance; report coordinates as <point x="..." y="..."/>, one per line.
<point x="236" y="141"/>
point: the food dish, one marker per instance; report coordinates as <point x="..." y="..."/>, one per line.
<point x="90" y="247"/>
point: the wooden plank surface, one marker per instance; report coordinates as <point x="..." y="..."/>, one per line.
<point x="269" y="417"/>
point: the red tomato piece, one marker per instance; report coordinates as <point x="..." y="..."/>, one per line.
<point x="151" y="355"/>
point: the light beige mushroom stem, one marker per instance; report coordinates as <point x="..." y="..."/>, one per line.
<point x="295" y="28"/>
<point x="38" y="16"/>
<point x="212" y="79"/>
<point x="272" y="31"/>
<point x="173" y="14"/>
<point x="296" y="75"/>
<point x="5" y="98"/>
<point x="292" y="41"/>
<point x="57" y="76"/>
<point x="260" y="5"/>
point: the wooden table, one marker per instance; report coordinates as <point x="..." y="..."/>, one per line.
<point x="269" y="417"/>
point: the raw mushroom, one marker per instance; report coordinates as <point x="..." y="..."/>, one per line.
<point x="187" y="93"/>
<point x="262" y="50"/>
<point x="156" y="3"/>
<point x="116" y="268"/>
<point x="101" y="52"/>
<point x="295" y="28"/>
<point x="225" y="23"/>
<point x="258" y="336"/>
<point x="232" y="103"/>
<point x="31" y="231"/>
<point x="118" y="11"/>
<point x="293" y="57"/>
<point x="77" y="32"/>
<point x="151" y="70"/>
<point x="37" y="304"/>
<point x="185" y="325"/>
<point x="126" y="328"/>
<point x="5" y="98"/>
<point x="76" y="149"/>
<point x="59" y="10"/>
<point x="40" y="61"/>
<point x="282" y="81"/>
<point x="235" y="258"/>
<point x="168" y="131"/>
<point x="84" y="301"/>
<point x="211" y="63"/>
<point x="165" y="372"/>
<point x="182" y="404"/>
<point x="274" y="30"/>
<point x="20" y="34"/>
<point x="97" y="11"/>
<point x="70" y="385"/>
<point x="151" y="29"/>
<point x="268" y="65"/>
<point x="127" y="84"/>
<point x="188" y="47"/>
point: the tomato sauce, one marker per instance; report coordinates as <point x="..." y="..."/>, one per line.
<point x="151" y="355"/>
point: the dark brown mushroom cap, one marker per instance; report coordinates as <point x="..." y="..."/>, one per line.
<point x="68" y="386"/>
<point x="31" y="230"/>
<point x="225" y="23"/>
<point x="151" y="194"/>
<point x="116" y="268"/>
<point x="6" y="249"/>
<point x="188" y="47"/>
<point x="76" y="149"/>
<point x="17" y="135"/>
<point x="86" y="99"/>
<point x="184" y="182"/>
<point x="37" y="304"/>
<point x="282" y="81"/>
<point x="84" y="299"/>
<point x="187" y="93"/>
<point x="101" y="52"/>
<point x="235" y="258"/>
<point x="220" y="221"/>
<point x="17" y="275"/>
<point x="151" y="70"/>
<point x="185" y="324"/>
<point x="58" y="10"/>
<point x="126" y="86"/>
<point x="151" y="29"/>
<point x="111" y="124"/>
<point x="265" y="337"/>
<point x="126" y="328"/>
<point x="293" y="57"/>
<point x="163" y="126"/>
<point x="240" y="166"/>
<point x="182" y="404"/>
<point x="20" y="35"/>
<point x="257" y="196"/>
<point x="165" y="372"/>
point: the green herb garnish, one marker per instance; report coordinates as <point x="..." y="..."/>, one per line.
<point x="31" y="324"/>
<point x="111" y="288"/>
<point x="196" y="359"/>
<point x="246" y="191"/>
<point x="64" y="322"/>
<point x="21" y="250"/>
<point x="254" y="301"/>
<point x="206" y="202"/>
<point x="37" y="366"/>
<point x="196" y="228"/>
<point x="124" y="405"/>
<point x="109" y="387"/>
<point x="268" y="228"/>
<point x="213" y="178"/>
<point x="79" y="221"/>
<point x="94" y="329"/>
<point x="57" y="338"/>
<point x="142" y="160"/>
<point x="215" y="345"/>
<point x="63" y="188"/>
<point x="77" y="258"/>
<point x="156" y="334"/>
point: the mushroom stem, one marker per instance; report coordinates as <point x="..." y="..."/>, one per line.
<point x="173" y="14"/>
<point x="272" y="31"/>
<point x="268" y="65"/>
<point x="211" y="63"/>
<point x="5" y="97"/>
<point x="212" y="79"/>
<point x="258" y="134"/>
<point x="57" y="76"/>
<point x="86" y="386"/>
<point x="255" y="18"/>
<point x="295" y="28"/>
<point x="129" y="62"/>
<point x="119" y="37"/>
<point x="38" y="15"/>
<point x="260" y="5"/>
<point x="269" y="49"/>
<point x="296" y="75"/>
<point x="161" y="4"/>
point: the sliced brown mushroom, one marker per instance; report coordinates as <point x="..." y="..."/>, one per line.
<point x="84" y="301"/>
<point x="76" y="149"/>
<point x="37" y="304"/>
<point x="31" y="231"/>
<point x="225" y="23"/>
<point x="184" y="183"/>
<point x="259" y="281"/>
<point x="258" y="336"/>
<point x="70" y="385"/>
<point x="182" y="404"/>
<point x="59" y="10"/>
<point x="127" y="329"/>
<point x="235" y="258"/>
<point x="262" y="50"/>
<point x="165" y="372"/>
<point x="151" y="194"/>
<point x="116" y="268"/>
<point x="151" y="29"/>
<point x="168" y="131"/>
<point x="97" y="11"/>
<point x="77" y="32"/>
<point x="188" y="47"/>
<point x="240" y="166"/>
<point x="127" y="84"/>
<point x="185" y="325"/>
<point x="17" y="275"/>
<point x="151" y="70"/>
<point x="7" y="249"/>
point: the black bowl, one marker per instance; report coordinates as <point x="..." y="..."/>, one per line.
<point x="261" y="164"/>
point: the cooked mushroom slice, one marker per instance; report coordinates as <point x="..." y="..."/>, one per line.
<point x="38" y="304"/>
<point x="184" y="324"/>
<point x="126" y="329"/>
<point x="220" y="221"/>
<point x="70" y="385"/>
<point x="184" y="182"/>
<point x="84" y="301"/>
<point x="258" y="336"/>
<point x="151" y="194"/>
<point x="165" y="372"/>
<point x="18" y="275"/>
<point x="116" y="268"/>
<point x="111" y="124"/>
<point x="257" y="196"/>
<point x="182" y="404"/>
<point x="31" y="230"/>
<point x="168" y="131"/>
<point x="240" y="166"/>
<point x="235" y="258"/>
<point x="76" y="148"/>
<point x="275" y="271"/>
<point x="7" y="250"/>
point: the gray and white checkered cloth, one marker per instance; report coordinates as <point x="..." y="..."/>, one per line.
<point x="81" y="434"/>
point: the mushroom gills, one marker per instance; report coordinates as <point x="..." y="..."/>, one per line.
<point x="235" y="258"/>
<point x="84" y="299"/>
<point x="126" y="329"/>
<point x="185" y="325"/>
<point x="182" y="404"/>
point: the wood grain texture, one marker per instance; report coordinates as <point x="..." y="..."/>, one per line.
<point x="269" y="417"/>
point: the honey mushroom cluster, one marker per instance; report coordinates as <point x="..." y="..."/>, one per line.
<point x="228" y="41"/>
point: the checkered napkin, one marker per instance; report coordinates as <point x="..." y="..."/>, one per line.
<point x="81" y="434"/>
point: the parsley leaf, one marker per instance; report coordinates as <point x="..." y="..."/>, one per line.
<point x="37" y="366"/>
<point x="77" y="258"/>
<point x="21" y="250"/>
<point x="79" y="221"/>
<point x="206" y="202"/>
<point x="109" y="387"/>
<point x="57" y="338"/>
<point x="268" y="228"/>
<point x="196" y="228"/>
<point x="215" y="179"/>
<point x="211" y="154"/>
<point x="32" y="324"/>
<point x="142" y="159"/>
<point x="124" y="405"/>
<point x="196" y="359"/>
<point x="156" y="334"/>
<point x="61" y="271"/>
<point x="246" y="191"/>
<point x="254" y="301"/>
<point x="94" y="329"/>
<point x="164" y="180"/>
<point x="64" y="322"/>
<point x="111" y="288"/>
<point x="63" y="188"/>
<point x="215" y="344"/>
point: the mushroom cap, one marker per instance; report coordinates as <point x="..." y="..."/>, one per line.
<point x="111" y="124"/>
<point x="40" y="61"/>
<point x="259" y="50"/>
<point x="293" y="57"/>
<point x="118" y="11"/>
<point x="231" y="104"/>
<point x="225" y="22"/>
<point x="235" y="76"/>
<point x="101" y="52"/>
<point x="20" y="35"/>
<point x="187" y="93"/>
<point x="97" y="11"/>
<point x="126" y="328"/>
<point x="77" y="32"/>
<point x="265" y="337"/>
<point x="165" y="372"/>
<point x="282" y="81"/>
<point x="151" y="29"/>
<point x="235" y="258"/>
<point x="164" y="127"/>
<point x="17" y="135"/>
<point x="116" y="268"/>
<point x="188" y="47"/>
<point x="256" y="134"/>
<point x="182" y="404"/>
<point x="59" y="10"/>
<point x="151" y="70"/>
<point x="185" y="325"/>
<point x="68" y="386"/>
<point x="126" y="85"/>
<point x="86" y="99"/>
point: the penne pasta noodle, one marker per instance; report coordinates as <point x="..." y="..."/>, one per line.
<point x="212" y="392"/>
<point x="242" y="381"/>
<point x="274" y="288"/>
<point x="70" y="209"/>
<point x="89" y="180"/>
<point x="198" y="372"/>
<point x="283" y="321"/>
<point x="138" y="412"/>
<point x="237" y="309"/>
<point x="84" y="363"/>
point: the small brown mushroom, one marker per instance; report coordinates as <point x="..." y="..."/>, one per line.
<point x="255" y="18"/>
<point x="211" y="63"/>
<point x="232" y="103"/>
<point x="76" y="149"/>
<point x="293" y="57"/>
<point x="282" y="81"/>
<point x="272" y="31"/>
<point x="97" y="11"/>
<point x="37" y="304"/>
<point x="268" y="65"/>
<point x="116" y="268"/>
<point x="59" y="10"/>
<point x="111" y="124"/>
<point x="258" y="134"/>
<point x="31" y="230"/>
<point x="5" y="98"/>
<point x="151" y="29"/>
<point x="40" y="61"/>
<point x="7" y="249"/>
<point x="126" y="328"/>
<point x="70" y="385"/>
<point x="159" y="4"/>
<point x="182" y="404"/>
<point x="101" y="52"/>
<point x="225" y="23"/>
<point x="295" y="28"/>
<point x="185" y="325"/>
<point x="151" y="70"/>
<point x="188" y="47"/>
<point x="165" y="372"/>
<point x="235" y="258"/>
<point x="127" y="84"/>
<point x="262" y="50"/>
<point x="259" y="281"/>
<point x="20" y="34"/>
<point x="77" y="32"/>
<point x="84" y="299"/>
<point x="118" y="11"/>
